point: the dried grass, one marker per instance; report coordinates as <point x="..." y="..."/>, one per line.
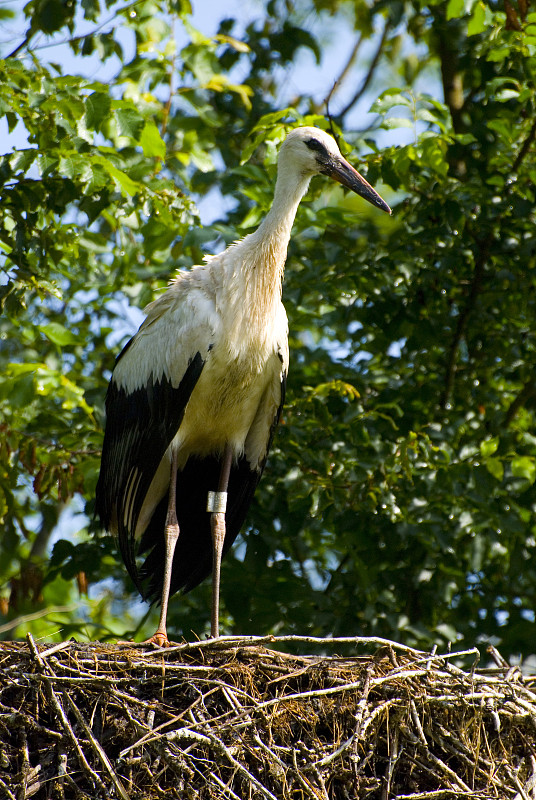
<point x="233" y="719"/>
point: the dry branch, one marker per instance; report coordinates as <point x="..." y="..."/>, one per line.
<point x="233" y="719"/>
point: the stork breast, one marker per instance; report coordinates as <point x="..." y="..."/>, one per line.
<point x="226" y="398"/>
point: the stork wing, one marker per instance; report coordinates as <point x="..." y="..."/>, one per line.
<point x="152" y="381"/>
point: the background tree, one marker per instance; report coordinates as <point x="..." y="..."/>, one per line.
<point x="399" y="498"/>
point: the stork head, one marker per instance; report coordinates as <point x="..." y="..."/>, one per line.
<point x="312" y="151"/>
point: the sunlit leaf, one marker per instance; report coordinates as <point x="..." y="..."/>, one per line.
<point x="151" y="141"/>
<point x="58" y="334"/>
<point x="524" y="467"/>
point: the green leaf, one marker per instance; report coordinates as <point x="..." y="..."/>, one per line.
<point x="495" y="467"/>
<point x="269" y="120"/>
<point x="151" y="142"/>
<point x="97" y="108"/>
<point x="23" y="369"/>
<point x="22" y="160"/>
<point x="391" y="123"/>
<point x="236" y="44"/>
<point x="477" y="23"/>
<point x="337" y="387"/>
<point x="127" y="186"/>
<point x="22" y="392"/>
<point x="389" y="99"/>
<point x="72" y="165"/>
<point x="499" y="54"/>
<point x="58" y="334"/>
<point x="48" y="164"/>
<point x="489" y="447"/>
<point x="220" y="83"/>
<point x="457" y="8"/>
<point x="524" y="467"/>
<point x="129" y="122"/>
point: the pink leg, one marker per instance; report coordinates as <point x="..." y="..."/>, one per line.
<point x="217" y="523"/>
<point x="160" y="637"/>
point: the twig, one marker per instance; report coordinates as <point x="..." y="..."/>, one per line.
<point x="344" y="72"/>
<point x="25" y="42"/>
<point x="391" y="763"/>
<point x="302" y="780"/>
<point x="58" y="708"/>
<point x="55" y="649"/>
<point x="525" y="147"/>
<point x="463" y="318"/>
<point x="496" y="656"/>
<point x="14" y="623"/>
<point x="368" y="77"/>
<point x="227" y="791"/>
<point x="9" y="794"/>
<point x="362" y="704"/>
<point x="521" y="795"/>
<point x="219" y="746"/>
<point x="440" y="794"/>
<point x="101" y="755"/>
<point x="527" y="391"/>
<point x="456" y="780"/>
<point x="417" y="722"/>
<point x="226" y="642"/>
<point x="68" y="40"/>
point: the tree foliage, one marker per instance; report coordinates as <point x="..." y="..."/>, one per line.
<point x="399" y="497"/>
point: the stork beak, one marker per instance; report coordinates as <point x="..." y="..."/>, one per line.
<point x="340" y="170"/>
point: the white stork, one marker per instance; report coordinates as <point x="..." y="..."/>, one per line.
<point x="196" y="394"/>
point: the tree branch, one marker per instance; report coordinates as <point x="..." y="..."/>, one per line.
<point x="528" y="391"/>
<point x="25" y="42"/>
<point x="344" y="72"/>
<point x="525" y="147"/>
<point x="474" y="291"/>
<point x="370" y="73"/>
<point x="71" y="39"/>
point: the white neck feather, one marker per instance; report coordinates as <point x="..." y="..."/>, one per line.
<point x="263" y="253"/>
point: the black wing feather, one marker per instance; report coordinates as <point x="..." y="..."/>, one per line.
<point x="140" y="426"/>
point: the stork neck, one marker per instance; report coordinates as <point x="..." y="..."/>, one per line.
<point x="270" y="241"/>
<point x="258" y="282"/>
<point x="289" y="190"/>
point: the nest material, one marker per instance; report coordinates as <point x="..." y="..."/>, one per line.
<point x="231" y="719"/>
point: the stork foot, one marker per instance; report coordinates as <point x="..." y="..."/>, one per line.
<point x="159" y="639"/>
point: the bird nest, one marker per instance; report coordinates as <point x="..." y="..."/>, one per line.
<point x="234" y="719"/>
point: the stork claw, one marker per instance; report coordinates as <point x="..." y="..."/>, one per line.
<point x="159" y="639"/>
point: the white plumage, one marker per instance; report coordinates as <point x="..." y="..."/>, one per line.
<point x="197" y="392"/>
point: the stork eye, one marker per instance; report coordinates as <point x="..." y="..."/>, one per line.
<point x="314" y="144"/>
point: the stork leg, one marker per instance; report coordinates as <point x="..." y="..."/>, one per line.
<point x="160" y="638"/>
<point x="217" y="504"/>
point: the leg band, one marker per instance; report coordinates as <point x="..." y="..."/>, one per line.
<point x="217" y="502"/>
